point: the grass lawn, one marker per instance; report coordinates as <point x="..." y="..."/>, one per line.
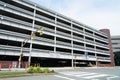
<point x="31" y="71"/>
<point x="3" y="74"/>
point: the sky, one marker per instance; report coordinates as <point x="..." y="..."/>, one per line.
<point x="99" y="14"/>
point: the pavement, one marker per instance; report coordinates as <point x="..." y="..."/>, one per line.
<point x="57" y="69"/>
<point x="94" y="73"/>
<point x="12" y="69"/>
<point x="78" y="73"/>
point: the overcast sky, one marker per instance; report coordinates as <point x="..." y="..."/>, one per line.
<point x="98" y="14"/>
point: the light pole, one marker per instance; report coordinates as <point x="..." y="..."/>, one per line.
<point x="32" y="36"/>
<point x="21" y="51"/>
<point x="40" y="30"/>
<point x="31" y="39"/>
<point x="20" y="55"/>
<point x="33" y="24"/>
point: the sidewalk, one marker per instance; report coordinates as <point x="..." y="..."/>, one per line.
<point x="12" y="69"/>
<point x="53" y="68"/>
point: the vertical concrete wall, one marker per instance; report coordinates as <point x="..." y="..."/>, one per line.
<point x="107" y="31"/>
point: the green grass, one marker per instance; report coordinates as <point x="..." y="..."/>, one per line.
<point x="2" y="74"/>
<point x="34" y="70"/>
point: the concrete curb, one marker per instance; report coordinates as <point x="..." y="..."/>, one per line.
<point x="29" y="74"/>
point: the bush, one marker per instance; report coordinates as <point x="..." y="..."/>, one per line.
<point x="39" y="70"/>
<point x="46" y="70"/>
<point x="30" y="69"/>
<point x="52" y="71"/>
<point x="35" y="69"/>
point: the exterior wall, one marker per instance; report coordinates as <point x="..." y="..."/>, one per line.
<point x="116" y="49"/>
<point x="63" y="38"/>
<point x="107" y="31"/>
<point x="116" y="43"/>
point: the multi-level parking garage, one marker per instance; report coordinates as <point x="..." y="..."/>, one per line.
<point x="63" y="39"/>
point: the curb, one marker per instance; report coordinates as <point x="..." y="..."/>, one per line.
<point x="29" y="74"/>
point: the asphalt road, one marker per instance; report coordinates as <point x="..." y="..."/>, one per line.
<point x="77" y="74"/>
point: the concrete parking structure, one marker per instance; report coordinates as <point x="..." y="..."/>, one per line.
<point x="64" y="40"/>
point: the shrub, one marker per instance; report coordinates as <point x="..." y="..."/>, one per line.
<point x="30" y="69"/>
<point x="35" y="69"/>
<point x="52" y="71"/>
<point x="39" y="70"/>
<point x="46" y="70"/>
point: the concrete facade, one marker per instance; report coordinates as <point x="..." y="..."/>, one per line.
<point x="116" y="43"/>
<point x="116" y="49"/>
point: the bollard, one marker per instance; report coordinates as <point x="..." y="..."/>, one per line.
<point x="0" y="66"/>
<point x="9" y="67"/>
<point x="35" y="65"/>
<point x="26" y="66"/>
<point x="38" y="65"/>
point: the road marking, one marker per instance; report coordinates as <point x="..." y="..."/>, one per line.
<point x="109" y="78"/>
<point x="94" y="79"/>
<point x="88" y="74"/>
<point x="96" y="76"/>
<point x="75" y="73"/>
<point x="64" y="77"/>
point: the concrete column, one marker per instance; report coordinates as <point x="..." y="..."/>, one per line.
<point x="55" y="34"/>
<point x="72" y="62"/>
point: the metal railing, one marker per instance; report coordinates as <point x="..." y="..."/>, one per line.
<point x="90" y="34"/>
<point x="78" y="46"/>
<point x="63" y="34"/>
<point x="98" y="50"/>
<point x="25" y="36"/>
<point x="104" y="58"/>
<point x="78" y="30"/>
<point x="5" y="5"/>
<point x="91" y="49"/>
<point x="64" y="25"/>
<point x="16" y="21"/>
<point x="8" y="47"/>
<point x="78" y="38"/>
<point x="44" y="39"/>
<point x="49" y="30"/>
<point x="63" y="43"/>
<point x="100" y="38"/>
<point x="45" y="18"/>
<point x="5" y="32"/>
<point x="89" y="41"/>
<point x="101" y="44"/>
<point x="90" y="56"/>
<point x="63" y="53"/>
